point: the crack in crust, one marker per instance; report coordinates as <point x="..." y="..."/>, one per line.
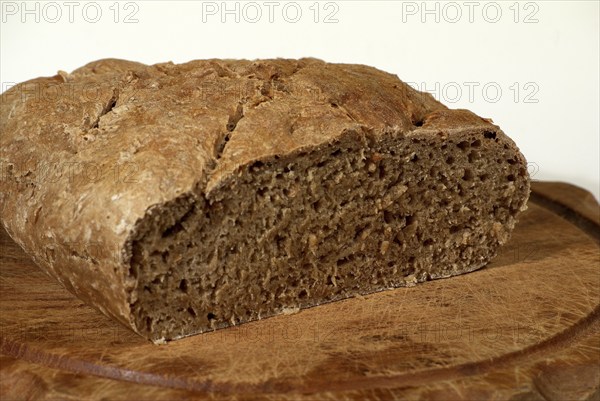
<point x="112" y="103"/>
<point x="271" y="82"/>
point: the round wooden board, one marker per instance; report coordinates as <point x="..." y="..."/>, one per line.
<point x="526" y="327"/>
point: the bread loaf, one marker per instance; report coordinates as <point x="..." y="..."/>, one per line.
<point x="184" y="198"/>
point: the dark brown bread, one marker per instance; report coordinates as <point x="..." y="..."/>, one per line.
<point x="183" y="198"/>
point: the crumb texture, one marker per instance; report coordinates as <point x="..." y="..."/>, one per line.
<point x="183" y="198"/>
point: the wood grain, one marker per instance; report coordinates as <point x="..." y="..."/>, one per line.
<point x="526" y="327"/>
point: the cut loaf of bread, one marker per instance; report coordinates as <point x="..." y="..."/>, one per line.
<point x="184" y="198"/>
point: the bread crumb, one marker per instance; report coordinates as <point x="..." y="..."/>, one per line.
<point x="465" y="237"/>
<point x="410" y="280"/>
<point x="121" y="227"/>
<point x="376" y="157"/>
<point x="394" y="194"/>
<point x="290" y="311"/>
<point x="64" y="75"/>
<point x="312" y="243"/>
<point x="365" y="233"/>
<point x="384" y="247"/>
<point x="510" y="189"/>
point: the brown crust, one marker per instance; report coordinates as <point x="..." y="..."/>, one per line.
<point x="85" y="156"/>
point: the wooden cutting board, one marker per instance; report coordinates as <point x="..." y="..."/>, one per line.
<point x="526" y="327"/>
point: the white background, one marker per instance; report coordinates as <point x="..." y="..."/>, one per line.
<point x="533" y="67"/>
